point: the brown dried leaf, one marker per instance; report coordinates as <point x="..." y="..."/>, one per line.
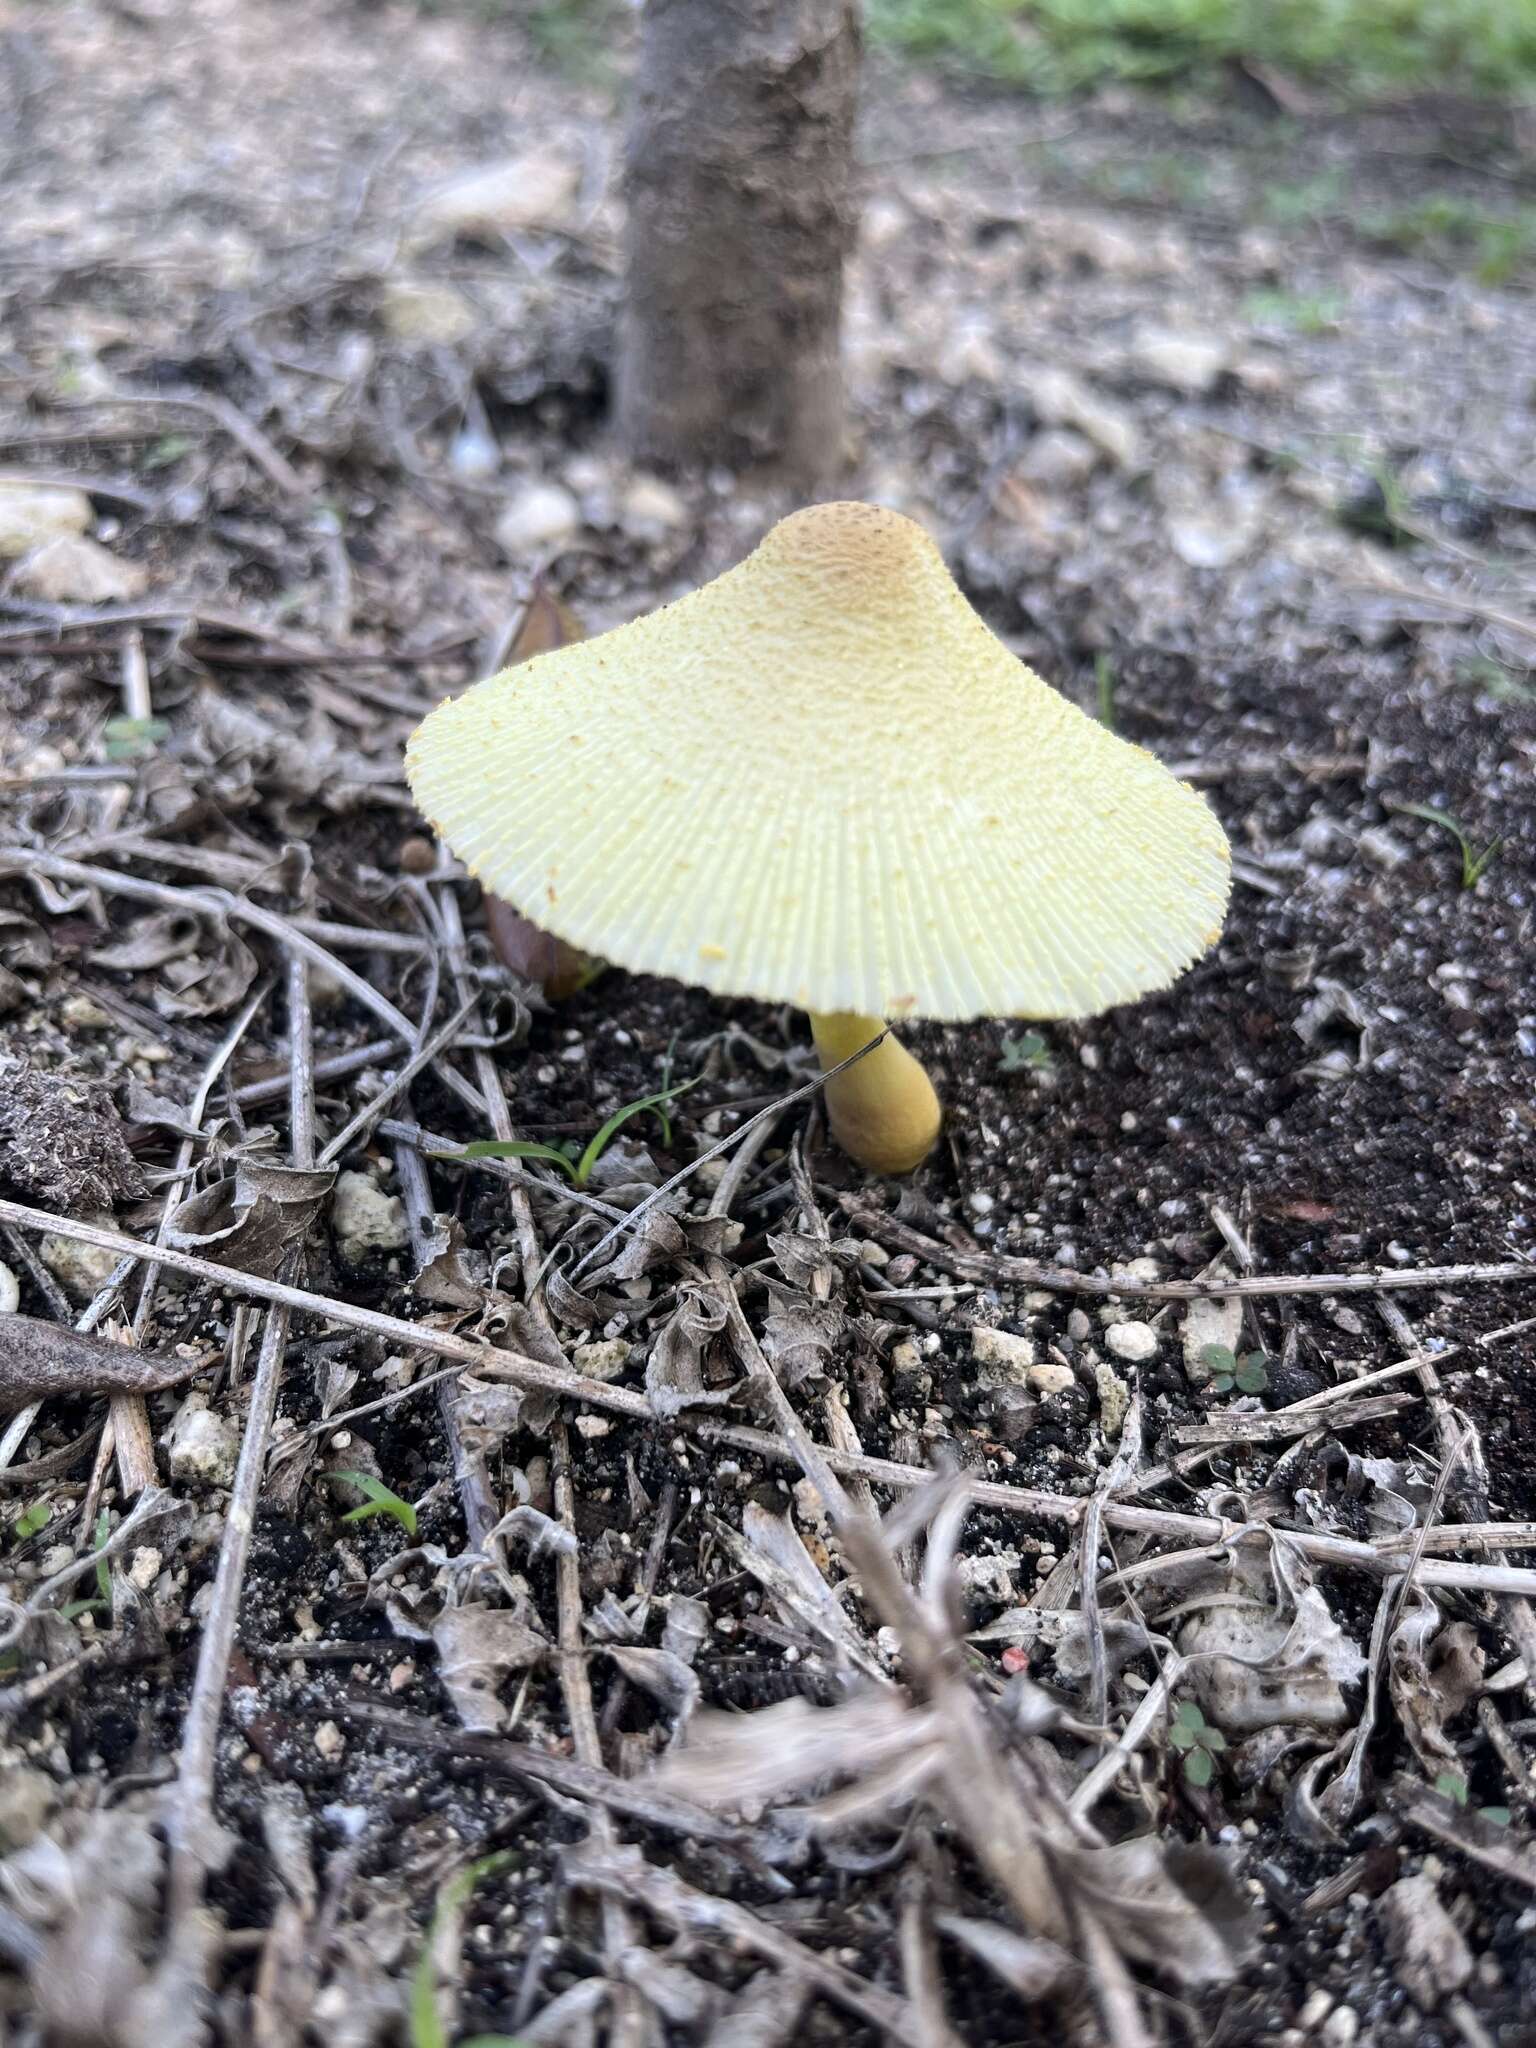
<point x="478" y="1649"/>
<point x="250" y="1218"/>
<point x="1181" y="1906"/>
<point x="674" y="1371"/>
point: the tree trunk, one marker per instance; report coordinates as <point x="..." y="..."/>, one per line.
<point x="740" y="169"/>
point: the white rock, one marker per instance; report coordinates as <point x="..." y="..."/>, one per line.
<point x="82" y="1270"/>
<point x="1114" y="1397"/>
<point x="330" y="1741"/>
<point x="540" y="515"/>
<point x="1341" y="2029"/>
<point x="969" y="354"/>
<point x="144" y="1568"/>
<point x="1050" y="1378"/>
<point x="603" y="1360"/>
<point x="434" y="314"/>
<point x="201" y="1447"/>
<point x="1057" y="458"/>
<point x="591" y="1426"/>
<point x="10" y="1291"/>
<point x="365" y="1220"/>
<point x="1428" y="1947"/>
<point x="1184" y="361"/>
<point x="33" y="513"/>
<point x="1001" y="1347"/>
<point x="533" y="190"/>
<point x="648" y="503"/>
<point x="27" y="1797"/>
<point x="1062" y="399"/>
<point x="1134" y="1342"/>
<point x="884" y="219"/>
<point x="1216" y="1320"/>
<point x="70" y="569"/>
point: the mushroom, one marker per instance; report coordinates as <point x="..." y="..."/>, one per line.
<point x="821" y="779"/>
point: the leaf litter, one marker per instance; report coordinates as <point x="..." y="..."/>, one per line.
<point x="799" y="1673"/>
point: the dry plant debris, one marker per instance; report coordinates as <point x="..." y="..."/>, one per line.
<point x="833" y="1611"/>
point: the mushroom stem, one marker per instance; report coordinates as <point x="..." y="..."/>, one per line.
<point x="883" y="1110"/>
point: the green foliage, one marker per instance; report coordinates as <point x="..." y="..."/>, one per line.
<point x="379" y="1500"/>
<point x="577" y="1166"/>
<point x="1026" y="1053"/>
<point x="426" y="2030"/>
<point x="1104" y="681"/>
<point x="103" y="1574"/>
<point x="1358" y="46"/>
<point x="32" y="1519"/>
<point x="1198" y="1741"/>
<point x="1301" y="312"/>
<point x="1447" y="225"/>
<point x="130" y="739"/>
<point x="1451" y="1785"/>
<point x="1246" y="1375"/>
<point x="1474" y="865"/>
<point x="1492" y="679"/>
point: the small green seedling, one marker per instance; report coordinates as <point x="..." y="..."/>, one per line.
<point x="130" y="739"/>
<point x="30" y="1521"/>
<point x="1451" y="1785"/>
<point x="1304" y="313"/>
<point x="426" y="2029"/>
<point x="576" y="1166"/>
<point x="1473" y="865"/>
<point x="1026" y="1053"/>
<point x="379" y="1501"/>
<point x="1104" y="684"/>
<point x="1246" y="1375"/>
<point x="1494" y="680"/>
<point x="103" y="1574"/>
<point x="1200" y="1743"/>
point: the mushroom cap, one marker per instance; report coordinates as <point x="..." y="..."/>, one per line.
<point x="821" y="779"/>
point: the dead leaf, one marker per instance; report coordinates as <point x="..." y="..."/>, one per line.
<point x="674" y="1371"/>
<point x="250" y="1218"/>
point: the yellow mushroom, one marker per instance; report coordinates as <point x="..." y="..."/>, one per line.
<point x="822" y="779"/>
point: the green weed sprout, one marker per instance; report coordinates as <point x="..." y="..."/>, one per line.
<point x="1198" y="1741"/>
<point x="1473" y="865"/>
<point x="1451" y="1785"/>
<point x="426" y="2029"/>
<point x="1246" y="1375"/>
<point x="1026" y="1053"/>
<point x="30" y="1521"/>
<point x="379" y="1500"/>
<point x="578" y="1168"/>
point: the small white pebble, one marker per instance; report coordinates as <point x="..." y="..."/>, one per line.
<point x="1316" y="2009"/>
<point x="144" y="1569"/>
<point x="593" y="1425"/>
<point x="980" y="1203"/>
<point x="1001" y="1347"/>
<point x="1050" y="1378"/>
<point x="1134" y="1342"/>
<point x="330" y="1741"/>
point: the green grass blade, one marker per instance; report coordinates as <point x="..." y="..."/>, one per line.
<point x="426" y="2029"/>
<point x="380" y="1500"/>
<point x="510" y="1148"/>
<point x="604" y="1136"/>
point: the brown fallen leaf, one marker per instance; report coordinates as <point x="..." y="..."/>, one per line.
<point x="39" y="1361"/>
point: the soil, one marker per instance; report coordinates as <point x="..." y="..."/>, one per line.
<point x="1290" y="550"/>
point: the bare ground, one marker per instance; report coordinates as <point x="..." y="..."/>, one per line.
<point x="1218" y="454"/>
